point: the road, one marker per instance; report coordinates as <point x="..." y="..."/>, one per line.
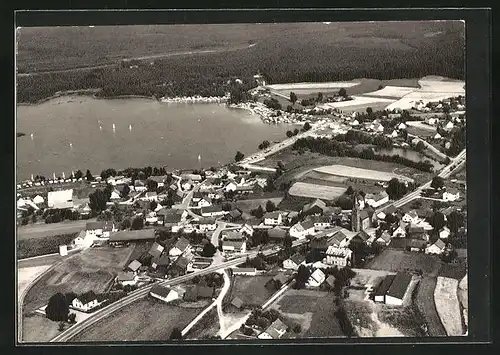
<point x="41" y="230"/>
<point x="456" y="162"/>
<point x="142" y="292"/>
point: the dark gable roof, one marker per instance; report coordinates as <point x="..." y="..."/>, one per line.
<point x="155" y="250"/>
<point x="235" y="213"/>
<point x="363" y="214"/>
<point x="276" y="232"/>
<point x="338" y="237"/>
<point x="362" y="235"/>
<point x="213" y="208"/>
<point x="134" y="265"/>
<point x="297" y="258"/>
<point x="416" y="229"/>
<point x="440" y="244"/>
<point x="141" y="234"/>
<point x="125" y="276"/>
<point x="391" y="209"/>
<point x="163" y="260"/>
<point x="384" y="285"/>
<point x="87" y="297"/>
<point x="182" y="262"/>
<point x="182" y="243"/>
<point x="161" y="291"/>
<point x="399" y="285"/>
<point x="273" y="215"/>
<point x="317" y="203"/>
<point x="307" y="224"/>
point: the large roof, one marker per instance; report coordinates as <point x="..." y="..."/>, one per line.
<point x="87" y="297"/>
<point x="60" y="199"/>
<point x="142" y="234"/>
<point x="399" y="285"/>
<point x="182" y="243"/>
<point x="384" y="285"/>
<point x="161" y="291"/>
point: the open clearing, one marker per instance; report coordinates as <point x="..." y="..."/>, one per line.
<point x="314" y="310"/>
<point x="146" y="319"/>
<point x="447" y="305"/>
<point x="358" y="173"/>
<point x="399" y="260"/>
<point x="251" y="290"/>
<point x="248" y="205"/>
<point x="316" y="191"/>
<point x="92" y="269"/>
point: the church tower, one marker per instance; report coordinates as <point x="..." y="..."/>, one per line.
<point x="355" y="217"/>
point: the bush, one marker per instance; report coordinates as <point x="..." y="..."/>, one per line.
<point x="297" y="328"/>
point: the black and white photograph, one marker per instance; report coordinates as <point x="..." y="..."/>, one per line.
<point x="248" y="181"/>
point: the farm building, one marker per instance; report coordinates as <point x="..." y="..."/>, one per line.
<point x="126" y="278"/>
<point x="302" y="229"/>
<point x="416" y="245"/>
<point x="321" y="222"/>
<point x="247" y="271"/>
<point x="134" y="265"/>
<point x="276" y="234"/>
<point x="437" y="248"/>
<point x="181" y="246"/>
<point x="313" y="208"/>
<point x="294" y="262"/>
<point x="273" y="218"/>
<point x="338" y="256"/>
<point x="131" y="236"/>
<point x="274" y="331"/>
<point x="60" y="199"/>
<point x="160" y="262"/>
<point x="156" y="250"/>
<point x="85" y="302"/>
<point x="376" y="200"/>
<point x="212" y="211"/>
<point x="393" y="289"/>
<point x="277" y="281"/>
<point x="166" y="294"/>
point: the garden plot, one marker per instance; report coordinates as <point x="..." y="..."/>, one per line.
<point x="396" y="92"/>
<point x="448" y="308"/>
<point x="316" y="191"/>
<point x="359" y="173"/>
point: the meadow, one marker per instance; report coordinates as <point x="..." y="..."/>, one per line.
<point x="191" y="59"/>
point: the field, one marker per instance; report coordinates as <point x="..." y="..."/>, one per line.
<point x="146" y="319"/>
<point x="28" y="248"/>
<point x="196" y="59"/>
<point x="399" y="260"/>
<point x="396" y="92"/>
<point x="37" y="328"/>
<point x="207" y="326"/>
<point x="358" y="173"/>
<point x="314" y="310"/>
<point x="325" y="177"/>
<point x="251" y="290"/>
<point x="424" y="301"/>
<point x="42" y="230"/>
<point x="447" y="305"/>
<point x="316" y="191"/>
<point x="91" y="269"/>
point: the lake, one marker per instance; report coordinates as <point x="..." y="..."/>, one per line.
<point x="410" y="155"/>
<point x="71" y="133"/>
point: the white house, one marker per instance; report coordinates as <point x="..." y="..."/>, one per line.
<point x="376" y="200"/>
<point x="231" y="186"/>
<point x="437" y="136"/>
<point x="294" y="262"/>
<point x="321" y="222"/>
<point x="273" y="218"/>
<point x="166" y="294"/>
<point x="316" y="278"/>
<point x="302" y="229"/>
<point x="230" y="247"/>
<point x="38" y="199"/>
<point x="399" y="232"/>
<point x="85" y="302"/>
<point x="126" y="278"/>
<point x="411" y="217"/>
<point x="248" y="229"/>
<point x="204" y="202"/>
<point x="451" y="195"/>
<point x="401" y="126"/>
<point x="206" y="224"/>
<point x="338" y="256"/>
<point x="151" y="196"/>
<point x="275" y="331"/>
<point x="244" y="271"/>
<point x="115" y="195"/>
<point x="181" y="246"/>
<point x="432" y="121"/>
<point x="394" y="134"/>
<point x="449" y="125"/>
<point x="444" y="233"/>
<point x="437" y="248"/>
<point x="99" y="229"/>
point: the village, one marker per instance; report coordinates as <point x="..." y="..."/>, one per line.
<point x="261" y="249"/>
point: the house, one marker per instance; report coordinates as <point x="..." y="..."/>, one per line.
<point x="243" y="189"/>
<point x="276" y="234"/>
<point x="134" y="265"/>
<point x="246" y="229"/>
<point x="193" y="177"/>
<point x="449" y="126"/>
<point x="160" y="180"/>
<point x="212" y="211"/>
<point x="38" y="200"/>
<point x="244" y="271"/>
<point x="293" y="262"/>
<point x="292" y="215"/>
<point x="181" y="246"/>
<point x="364" y="219"/>
<point x="139" y="186"/>
<point x="200" y="262"/>
<point x="338" y="256"/>
<point x="156" y="250"/>
<point x="400" y="231"/>
<point x="444" y="233"/>
<point x="398" y="290"/>
<point x="316" y="279"/>
<point x="361" y="238"/>
<point x="437" y="136"/>
<point x="151" y="196"/>
<point x="381" y="216"/>
<point x="394" y="134"/>
<point x="204" y="202"/>
<point x="382" y="288"/>
<point x="230" y="247"/>
<point x="162" y="261"/>
<point x="85" y="302"/>
<point x="302" y="229"/>
<point x="451" y="195"/>
<point x="390" y="210"/>
<point x="416" y="245"/>
<point x="314" y="208"/>
<point x="339" y="239"/>
<point x="186" y="186"/>
<point x="376" y="200"/>
<point x="230" y="186"/>
<point x="99" y="229"/>
<point x="401" y="126"/>
<point x="330" y="282"/>
<point x="321" y="222"/>
<point x="166" y="294"/>
<point x="234" y="215"/>
<point x="115" y="195"/>
<point x="417" y="232"/>
<point x="384" y="239"/>
<point x="169" y="216"/>
<point x="205" y="224"/>
<point x="411" y="217"/>
<point x="273" y="218"/>
<point x="437" y="248"/>
<point x="173" y="187"/>
<point x="179" y="267"/>
<point x="126" y="278"/>
<point x="432" y="121"/>
<point x="60" y="199"/>
<point x="274" y="331"/>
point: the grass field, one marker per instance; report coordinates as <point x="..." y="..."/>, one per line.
<point x="358" y="173"/>
<point x="28" y="248"/>
<point x="251" y="290"/>
<point x="326" y="177"/>
<point x="302" y="189"/>
<point x="447" y="305"/>
<point x="146" y="319"/>
<point x="424" y="301"/>
<point x="407" y="320"/>
<point x="399" y="260"/>
<point x="314" y="310"/>
<point x="91" y="269"/>
<point x="37" y="328"/>
<point x="207" y="326"/>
